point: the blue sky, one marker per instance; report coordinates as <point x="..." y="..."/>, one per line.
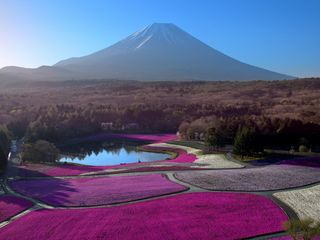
<point x="280" y="35"/>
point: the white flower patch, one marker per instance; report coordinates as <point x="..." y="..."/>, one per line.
<point x="203" y="161"/>
<point x="305" y="202"/>
<point x="216" y="161"/>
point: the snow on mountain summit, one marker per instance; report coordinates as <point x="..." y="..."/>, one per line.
<point x="165" y="33"/>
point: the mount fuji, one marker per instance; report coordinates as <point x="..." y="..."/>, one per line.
<point x="158" y="52"/>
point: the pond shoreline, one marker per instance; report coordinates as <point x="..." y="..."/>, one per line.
<point x="114" y="150"/>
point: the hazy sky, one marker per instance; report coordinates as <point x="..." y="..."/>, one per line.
<point x="280" y="35"/>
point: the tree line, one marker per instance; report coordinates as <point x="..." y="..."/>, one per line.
<point x="251" y="134"/>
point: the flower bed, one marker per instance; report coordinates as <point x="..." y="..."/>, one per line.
<point x="97" y="190"/>
<point x="194" y="155"/>
<point x="183" y="156"/>
<point x="186" y="216"/>
<point x="189" y="150"/>
<point x="272" y="177"/>
<point x="305" y="202"/>
<point x="11" y="206"/>
<point x="44" y="170"/>
<point x="308" y="162"/>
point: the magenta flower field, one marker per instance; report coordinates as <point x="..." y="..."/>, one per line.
<point x="96" y="191"/>
<point x="183" y="156"/>
<point x="41" y="170"/>
<point x="10" y="206"/>
<point x="186" y="216"/>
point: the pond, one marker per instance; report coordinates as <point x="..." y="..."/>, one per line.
<point x="107" y="153"/>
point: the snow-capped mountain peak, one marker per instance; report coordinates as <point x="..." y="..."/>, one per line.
<point x="160" y="51"/>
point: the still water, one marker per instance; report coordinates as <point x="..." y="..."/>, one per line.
<point x="108" y="153"/>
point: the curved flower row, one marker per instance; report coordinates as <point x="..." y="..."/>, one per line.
<point x="305" y="202"/>
<point x="273" y="177"/>
<point x="97" y="190"/>
<point x="185" y="216"/>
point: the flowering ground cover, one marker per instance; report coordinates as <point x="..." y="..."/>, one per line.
<point x="186" y="216"/>
<point x="182" y="155"/>
<point x="216" y="161"/>
<point x="97" y="190"/>
<point x="11" y="205"/>
<point x="274" y="159"/>
<point x="271" y="177"/>
<point x="189" y="150"/>
<point x="194" y="155"/>
<point x="308" y="162"/>
<point x="44" y="170"/>
<point x="305" y="202"/>
<point x="152" y="168"/>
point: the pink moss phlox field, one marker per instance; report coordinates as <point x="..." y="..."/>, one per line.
<point x="186" y="216"/>
<point x="158" y="168"/>
<point x="11" y="205"/>
<point x="41" y="170"/>
<point x="308" y="162"/>
<point x="96" y="191"/>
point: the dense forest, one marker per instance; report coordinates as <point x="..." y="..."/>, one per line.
<point x="284" y="112"/>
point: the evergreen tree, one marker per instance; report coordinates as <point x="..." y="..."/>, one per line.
<point x="215" y="137"/>
<point x="247" y="142"/>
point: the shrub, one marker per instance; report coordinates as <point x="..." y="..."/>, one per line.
<point x="305" y="229"/>
<point x="303" y="148"/>
<point x="247" y="142"/>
